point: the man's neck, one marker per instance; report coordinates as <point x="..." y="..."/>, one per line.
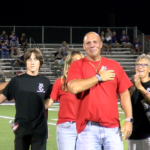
<point x="32" y="73"/>
<point x="94" y="58"/>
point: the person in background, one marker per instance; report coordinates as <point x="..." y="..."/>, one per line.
<point x="140" y="98"/>
<point x="24" y="41"/>
<point x="124" y="38"/>
<point x="21" y="60"/>
<point x="14" y="50"/>
<point x="4" y="50"/>
<point x="108" y="38"/>
<point x="105" y="46"/>
<point x="64" y="48"/>
<point x="114" y="40"/>
<point x="137" y="47"/>
<point x="66" y="124"/>
<point x="14" y="42"/>
<point x="59" y="56"/>
<point x="4" y="38"/>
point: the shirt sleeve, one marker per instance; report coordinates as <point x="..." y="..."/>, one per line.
<point x="75" y="70"/>
<point x="47" y="95"/>
<point x="55" y="90"/>
<point x="124" y="82"/>
<point x="10" y="90"/>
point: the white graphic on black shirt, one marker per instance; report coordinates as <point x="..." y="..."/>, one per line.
<point x="146" y="105"/>
<point x="41" y="88"/>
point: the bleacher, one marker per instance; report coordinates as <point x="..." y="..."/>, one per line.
<point x="48" y="69"/>
<point x="121" y="55"/>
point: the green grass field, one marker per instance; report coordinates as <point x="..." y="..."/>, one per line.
<point x="7" y="136"/>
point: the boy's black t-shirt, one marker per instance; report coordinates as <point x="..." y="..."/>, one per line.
<point x="29" y="93"/>
<point x="141" y="124"/>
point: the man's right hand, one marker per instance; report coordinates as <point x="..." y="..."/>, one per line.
<point x="106" y="75"/>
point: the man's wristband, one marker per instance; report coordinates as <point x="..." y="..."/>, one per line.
<point x="129" y="120"/>
<point x="98" y="77"/>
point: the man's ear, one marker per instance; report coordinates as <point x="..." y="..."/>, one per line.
<point x="101" y="44"/>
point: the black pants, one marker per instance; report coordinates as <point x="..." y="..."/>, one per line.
<point x="23" y="143"/>
<point x="25" y="138"/>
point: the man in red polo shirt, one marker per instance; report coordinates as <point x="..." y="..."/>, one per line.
<point x="96" y="81"/>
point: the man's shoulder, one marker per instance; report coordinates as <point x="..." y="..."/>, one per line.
<point x="110" y="61"/>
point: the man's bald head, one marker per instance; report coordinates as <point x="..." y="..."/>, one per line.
<point x="91" y="34"/>
<point x="92" y="44"/>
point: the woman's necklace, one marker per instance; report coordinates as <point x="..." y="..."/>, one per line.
<point x="96" y="68"/>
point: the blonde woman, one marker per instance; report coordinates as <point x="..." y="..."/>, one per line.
<point x="140" y="97"/>
<point x="66" y="124"/>
<point x="64" y="48"/>
<point x="105" y="46"/>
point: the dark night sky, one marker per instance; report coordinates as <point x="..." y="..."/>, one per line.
<point x="77" y="13"/>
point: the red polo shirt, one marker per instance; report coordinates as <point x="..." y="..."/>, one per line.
<point x="67" y="102"/>
<point x="99" y="103"/>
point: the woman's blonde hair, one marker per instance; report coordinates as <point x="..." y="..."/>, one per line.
<point x="68" y="62"/>
<point x="64" y="42"/>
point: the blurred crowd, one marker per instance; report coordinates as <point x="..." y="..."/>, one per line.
<point x="9" y="44"/>
<point x="110" y="39"/>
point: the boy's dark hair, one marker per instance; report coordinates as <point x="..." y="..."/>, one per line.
<point x="37" y="53"/>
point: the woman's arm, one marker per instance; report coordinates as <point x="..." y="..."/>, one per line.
<point x="48" y="103"/>
<point x="2" y="86"/>
<point x="142" y="90"/>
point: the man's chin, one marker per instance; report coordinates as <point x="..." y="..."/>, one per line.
<point x="33" y="70"/>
